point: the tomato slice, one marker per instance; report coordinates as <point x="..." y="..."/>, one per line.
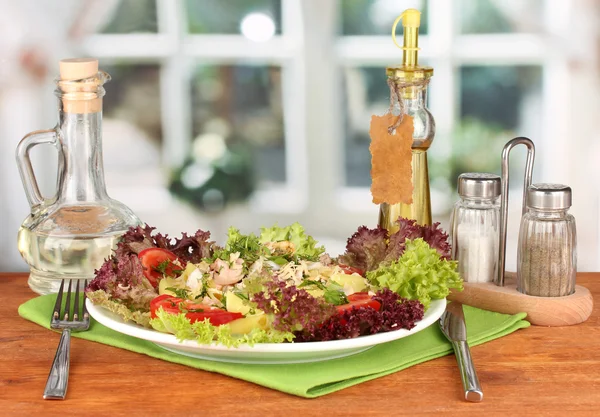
<point x="153" y="258"/>
<point x="359" y="300"/>
<point x="156" y="300"/>
<point x="347" y="269"/>
<point x="193" y="311"/>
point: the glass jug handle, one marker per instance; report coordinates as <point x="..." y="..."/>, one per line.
<point x="30" y="184"/>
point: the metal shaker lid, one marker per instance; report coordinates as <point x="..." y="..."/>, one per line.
<point x="479" y="185"/>
<point x="549" y="196"/>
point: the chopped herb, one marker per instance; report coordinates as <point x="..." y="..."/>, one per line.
<point x="314" y="283"/>
<point x="242" y="296"/>
<point x="335" y="297"/>
<point x="162" y="267"/>
<point x="195" y="310"/>
<point x="179" y="292"/>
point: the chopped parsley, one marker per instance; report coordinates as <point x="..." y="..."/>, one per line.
<point x="242" y="296"/>
<point x="312" y="283"/>
<point x="168" y="268"/>
<point x="335" y="297"/>
<point x="179" y="292"/>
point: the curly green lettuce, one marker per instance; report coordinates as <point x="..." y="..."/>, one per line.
<point x="419" y="274"/>
<point x="103" y="299"/>
<point x="205" y="333"/>
<point x="248" y="246"/>
<point x="305" y="246"/>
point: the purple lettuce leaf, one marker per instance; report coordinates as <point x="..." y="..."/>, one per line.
<point x="189" y="248"/>
<point x="437" y="239"/>
<point x="365" y="249"/>
<point x="293" y="309"/>
<point x="368" y="249"/>
<point x="395" y="313"/>
<point x="193" y="248"/>
<point x="123" y="279"/>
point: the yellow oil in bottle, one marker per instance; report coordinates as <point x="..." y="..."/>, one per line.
<point x="420" y="209"/>
<point x="409" y="82"/>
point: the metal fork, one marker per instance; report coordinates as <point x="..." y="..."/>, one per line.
<point x="69" y="320"/>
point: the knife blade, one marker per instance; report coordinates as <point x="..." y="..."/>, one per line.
<point x="452" y="324"/>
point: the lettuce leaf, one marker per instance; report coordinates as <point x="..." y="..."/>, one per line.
<point x="122" y="279"/>
<point x="205" y="333"/>
<point x="420" y="274"/>
<point x="248" y="246"/>
<point x="368" y="249"/>
<point x="305" y="246"/>
<point x="103" y="299"/>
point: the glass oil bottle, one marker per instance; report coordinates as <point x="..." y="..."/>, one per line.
<point x="70" y="234"/>
<point x="408" y="88"/>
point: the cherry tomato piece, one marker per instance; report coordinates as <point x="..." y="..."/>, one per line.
<point x="193" y="311"/>
<point x="349" y="270"/>
<point x="359" y="300"/>
<point x="154" y="258"/>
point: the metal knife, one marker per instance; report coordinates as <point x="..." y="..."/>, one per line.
<point x="453" y="326"/>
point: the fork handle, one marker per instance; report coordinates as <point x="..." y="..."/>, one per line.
<point x="56" y="386"/>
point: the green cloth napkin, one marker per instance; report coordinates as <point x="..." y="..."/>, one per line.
<point x="309" y="380"/>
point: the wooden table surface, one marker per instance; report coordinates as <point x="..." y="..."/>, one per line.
<point x="536" y="371"/>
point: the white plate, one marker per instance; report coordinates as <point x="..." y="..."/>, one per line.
<point x="264" y="353"/>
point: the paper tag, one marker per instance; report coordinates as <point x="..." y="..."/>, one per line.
<point x="391" y="160"/>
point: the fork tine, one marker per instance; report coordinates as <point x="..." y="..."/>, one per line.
<point x="76" y="304"/>
<point x="57" y="305"/>
<point x="85" y="312"/>
<point x="68" y="304"/>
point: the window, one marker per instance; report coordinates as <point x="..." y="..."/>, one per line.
<point x="297" y="105"/>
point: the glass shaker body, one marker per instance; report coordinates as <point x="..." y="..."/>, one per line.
<point x="475" y="230"/>
<point x="547" y="253"/>
<point x="475" y="226"/>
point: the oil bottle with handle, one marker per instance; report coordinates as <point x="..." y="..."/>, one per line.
<point x="70" y="234"/>
<point x="408" y="88"/>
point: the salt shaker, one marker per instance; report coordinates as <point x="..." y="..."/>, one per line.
<point x="475" y="226"/>
<point x="547" y="251"/>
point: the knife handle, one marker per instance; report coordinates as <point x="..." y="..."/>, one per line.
<point x="468" y="375"/>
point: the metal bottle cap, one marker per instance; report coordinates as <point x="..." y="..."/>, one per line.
<point x="479" y="185"/>
<point x="549" y="196"/>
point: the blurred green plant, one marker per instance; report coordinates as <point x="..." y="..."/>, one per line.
<point x="476" y="147"/>
<point x="212" y="185"/>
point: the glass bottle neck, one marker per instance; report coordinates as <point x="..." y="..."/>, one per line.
<point x="81" y="170"/>
<point x="414" y="103"/>
<point x="414" y="98"/>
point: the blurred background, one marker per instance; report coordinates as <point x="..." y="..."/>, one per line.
<point x="255" y="112"/>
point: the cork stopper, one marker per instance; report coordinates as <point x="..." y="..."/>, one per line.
<point x="80" y="85"/>
<point x="78" y="68"/>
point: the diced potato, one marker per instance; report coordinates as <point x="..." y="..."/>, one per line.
<point x="235" y="304"/>
<point x="189" y="268"/>
<point x="315" y="292"/>
<point x="247" y="324"/>
<point x="354" y="281"/>
<point x="168" y="283"/>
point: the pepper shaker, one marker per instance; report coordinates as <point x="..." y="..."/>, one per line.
<point x="475" y="226"/>
<point x="547" y="250"/>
